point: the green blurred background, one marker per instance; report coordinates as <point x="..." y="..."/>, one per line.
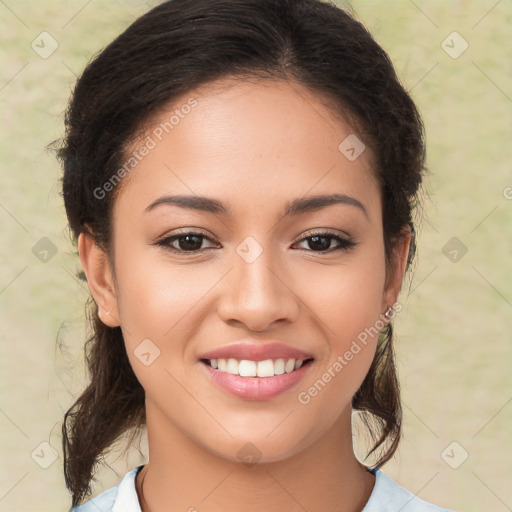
<point x="454" y="335"/>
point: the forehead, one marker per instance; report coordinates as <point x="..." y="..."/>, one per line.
<point x="266" y="141"/>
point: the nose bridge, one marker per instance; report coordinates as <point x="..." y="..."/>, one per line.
<point x="257" y="294"/>
<point x="256" y="265"/>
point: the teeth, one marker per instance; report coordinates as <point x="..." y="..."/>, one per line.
<point x="265" y="368"/>
<point x="247" y="368"/>
<point x="289" y="366"/>
<point x="279" y="367"/>
<point x="232" y="367"/>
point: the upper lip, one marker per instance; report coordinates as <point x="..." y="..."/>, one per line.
<point x="257" y="351"/>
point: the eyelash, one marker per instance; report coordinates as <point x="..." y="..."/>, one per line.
<point x="345" y="244"/>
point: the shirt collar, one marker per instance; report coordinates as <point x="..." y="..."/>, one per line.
<point x="127" y="499"/>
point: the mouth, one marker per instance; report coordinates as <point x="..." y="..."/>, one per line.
<point x="256" y="380"/>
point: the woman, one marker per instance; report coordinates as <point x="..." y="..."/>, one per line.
<point x="240" y="177"/>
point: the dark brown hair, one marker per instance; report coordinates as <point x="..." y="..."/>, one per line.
<point x="174" y="48"/>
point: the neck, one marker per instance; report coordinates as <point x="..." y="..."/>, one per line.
<point x="183" y="476"/>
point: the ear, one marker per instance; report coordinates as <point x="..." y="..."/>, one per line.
<point x="100" y="279"/>
<point x="397" y="267"/>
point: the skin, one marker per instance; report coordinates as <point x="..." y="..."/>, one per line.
<point x="254" y="147"/>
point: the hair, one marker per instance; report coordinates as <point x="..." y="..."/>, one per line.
<point x="172" y="49"/>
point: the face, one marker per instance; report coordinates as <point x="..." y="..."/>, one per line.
<point x="258" y="269"/>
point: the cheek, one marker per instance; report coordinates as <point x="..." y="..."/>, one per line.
<point x="346" y="298"/>
<point x="155" y="295"/>
<point x="346" y="302"/>
<point x="158" y="305"/>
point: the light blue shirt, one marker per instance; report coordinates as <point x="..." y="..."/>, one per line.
<point x="387" y="496"/>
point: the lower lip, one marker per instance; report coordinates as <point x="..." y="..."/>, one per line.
<point x="256" y="388"/>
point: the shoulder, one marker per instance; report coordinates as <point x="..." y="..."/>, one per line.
<point x="388" y="496"/>
<point x="121" y="498"/>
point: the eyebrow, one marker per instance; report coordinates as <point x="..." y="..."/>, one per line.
<point x="295" y="207"/>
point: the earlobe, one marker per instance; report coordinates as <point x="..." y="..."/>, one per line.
<point x="100" y="280"/>
<point x="396" y="273"/>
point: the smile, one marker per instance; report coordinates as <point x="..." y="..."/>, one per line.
<point x="256" y="380"/>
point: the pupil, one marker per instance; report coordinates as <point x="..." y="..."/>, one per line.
<point x="325" y="245"/>
<point x="191" y="245"/>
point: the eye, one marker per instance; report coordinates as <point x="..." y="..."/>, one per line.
<point x="321" y="242"/>
<point x="191" y="242"/>
<point x="186" y="242"/>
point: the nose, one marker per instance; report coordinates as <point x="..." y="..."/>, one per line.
<point x="258" y="293"/>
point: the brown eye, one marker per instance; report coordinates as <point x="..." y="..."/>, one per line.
<point x="189" y="242"/>
<point x="322" y="242"/>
